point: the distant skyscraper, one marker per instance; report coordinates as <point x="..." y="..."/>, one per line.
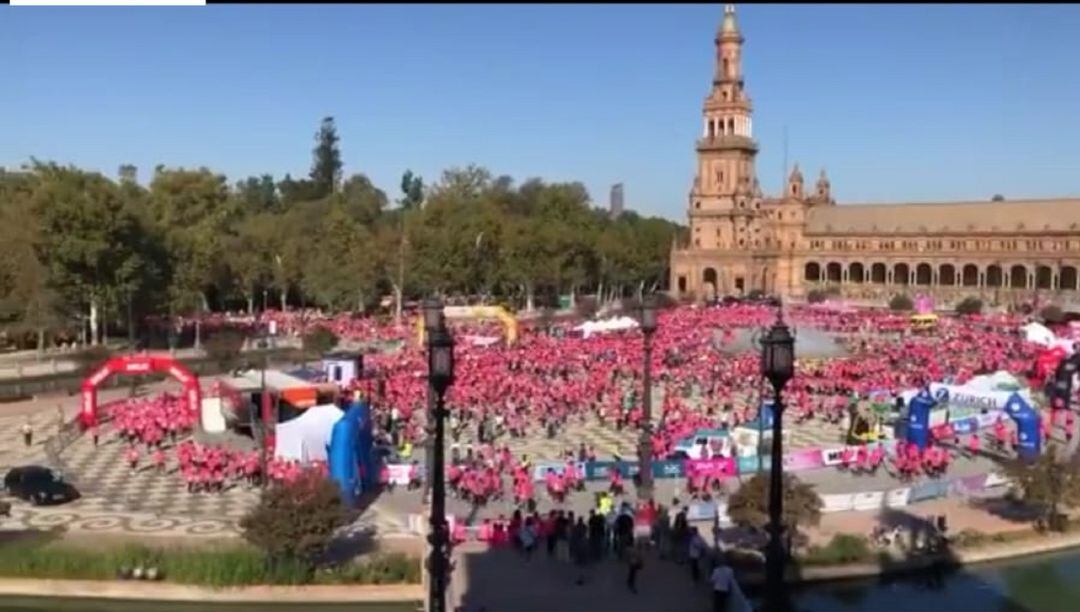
<point x="615" y="202"/>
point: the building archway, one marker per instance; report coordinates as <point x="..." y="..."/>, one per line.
<point x="877" y="273"/>
<point x="834" y="272"/>
<point x="947" y="275"/>
<point x="1044" y="277"/>
<point x="856" y="273"/>
<point x="1018" y="277"/>
<point x="134" y="365"/>
<point x="970" y="276"/>
<point x="924" y="274"/>
<point x="1067" y="278"/>
<point x="901" y="274"/>
<point x="994" y="276"/>
<point x="812" y="272"/>
<point x="710" y="282"/>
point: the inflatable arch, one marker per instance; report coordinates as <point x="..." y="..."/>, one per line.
<point x="352" y="461"/>
<point x="130" y="365"/>
<point x="1026" y="418"/>
<point x="508" y="321"/>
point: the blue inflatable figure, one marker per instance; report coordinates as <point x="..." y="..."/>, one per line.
<point x="918" y="421"/>
<point x="1027" y="427"/>
<point x="344" y="462"/>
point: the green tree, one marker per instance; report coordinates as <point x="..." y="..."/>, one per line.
<point x="1048" y="484"/>
<point x="326" y="165"/>
<point x="319" y="341"/>
<point x="412" y="191"/>
<point x="258" y="194"/>
<point x="295" y="523"/>
<point x="969" y="306"/>
<point x="193" y="210"/>
<point x="901" y="303"/>
<point x="224" y="346"/>
<point x="339" y="270"/>
<point x="1052" y="314"/>
<point x="88" y="239"/>
<point x="749" y="505"/>
<point x="362" y="200"/>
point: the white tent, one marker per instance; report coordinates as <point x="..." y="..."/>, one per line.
<point x="1038" y="333"/>
<point x="589" y="328"/>
<point x="307" y="437"/>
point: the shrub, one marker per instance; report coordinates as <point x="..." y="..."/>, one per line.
<point x="295" y="522"/>
<point x="969" y="306"/>
<point x="901" y="302"/>
<point x="224" y="346"/>
<point x="816" y="296"/>
<point x="319" y="341"/>
<point x="970" y="537"/>
<point x="1052" y="314"/>
<point x="586" y="307"/>
<point x="842" y="548"/>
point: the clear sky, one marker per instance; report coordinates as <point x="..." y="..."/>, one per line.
<point x="899" y="103"/>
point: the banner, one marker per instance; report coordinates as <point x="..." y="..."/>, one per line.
<point x="702" y="511"/>
<point x="399" y="472"/>
<point x="668" y="469"/>
<point x="719" y="467"/>
<point x="967" y="484"/>
<point x="897" y="498"/>
<point x="928" y="490"/>
<point x="868" y="500"/>
<point x="808" y="459"/>
<point x="841" y="502"/>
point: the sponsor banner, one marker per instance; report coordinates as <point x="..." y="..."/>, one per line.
<point x="749" y="465"/>
<point x="840" y="502"/>
<point x="897" y="498"/>
<point x="399" y="473"/>
<point x="809" y="459"/>
<point x="541" y="468"/>
<point x="970" y="397"/>
<point x="668" y="469"/>
<point x="968" y="484"/>
<point x="702" y="511"/>
<point x="927" y="490"/>
<point x="867" y="500"/>
<point x="720" y="467"/>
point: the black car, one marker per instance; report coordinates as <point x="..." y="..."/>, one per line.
<point x="38" y="485"/>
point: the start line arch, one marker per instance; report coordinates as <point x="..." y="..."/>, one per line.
<point x="130" y="365"/>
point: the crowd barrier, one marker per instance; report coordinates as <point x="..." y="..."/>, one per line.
<point x="801" y="460"/>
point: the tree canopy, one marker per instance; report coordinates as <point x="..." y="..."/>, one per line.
<point x="79" y="247"/>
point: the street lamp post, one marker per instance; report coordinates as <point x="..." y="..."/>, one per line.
<point x="645" y="453"/>
<point x="778" y="366"/>
<point x="440" y="376"/>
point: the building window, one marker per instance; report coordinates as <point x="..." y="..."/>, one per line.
<point x="697" y="205"/>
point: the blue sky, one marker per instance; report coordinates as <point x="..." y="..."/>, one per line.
<point x="899" y="103"/>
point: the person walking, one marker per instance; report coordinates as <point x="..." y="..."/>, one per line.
<point x="695" y="551"/>
<point x="28" y="433"/>
<point x="634" y="562"/>
<point x="727" y="595"/>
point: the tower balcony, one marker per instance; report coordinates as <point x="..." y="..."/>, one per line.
<point x="727" y="143"/>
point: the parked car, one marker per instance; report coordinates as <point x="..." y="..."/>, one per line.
<point x="39" y="485"/>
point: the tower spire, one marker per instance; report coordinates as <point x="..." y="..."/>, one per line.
<point x="729" y="25"/>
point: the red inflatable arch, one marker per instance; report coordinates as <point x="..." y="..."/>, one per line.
<point x="129" y="365"/>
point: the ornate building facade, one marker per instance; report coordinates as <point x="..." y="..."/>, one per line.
<point x="741" y="241"/>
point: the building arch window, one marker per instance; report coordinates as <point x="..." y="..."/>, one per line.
<point x="1067" y="279"/>
<point x="970" y="276"/>
<point x="731" y="126"/>
<point x="924" y="274"/>
<point x="993" y="276"/>
<point x="901" y="274"/>
<point x="697" y="205"/>
<point x="947" y="275"/>
<point x="833" y="272"/>
<point x="812" y="272"/>
<point x="1018" y="277"/>
<point x="1044" y="278"/>
<point x="856" y="273"/>
<point x="877" y="273"/>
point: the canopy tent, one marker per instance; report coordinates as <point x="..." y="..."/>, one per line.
<point x="589" y="328"/>
<point x="307" y="437"/>
<point x="1038" y="333"/>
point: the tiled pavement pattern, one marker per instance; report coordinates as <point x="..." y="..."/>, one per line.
<point x="116" y="499"/>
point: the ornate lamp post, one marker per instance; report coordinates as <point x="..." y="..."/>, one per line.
<point x="440" y="346"/>
<point x="645" y="475"/>
<point x="778" y="366"/>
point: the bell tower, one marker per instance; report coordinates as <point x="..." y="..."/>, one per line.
<point x="724" y="200"/>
